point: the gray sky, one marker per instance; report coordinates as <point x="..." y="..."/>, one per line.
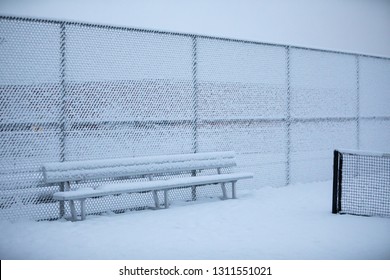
<point x="360" y="26"/>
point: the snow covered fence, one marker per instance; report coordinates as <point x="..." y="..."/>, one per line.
<point x="77" y="91"/>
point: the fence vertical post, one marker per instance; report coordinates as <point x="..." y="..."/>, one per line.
<point x="194" y="105"/>
<point x="195" y="93"/>
<point x="288" y="116"/>
<point x="63" y="106"/>
<point x="357" y="102"/>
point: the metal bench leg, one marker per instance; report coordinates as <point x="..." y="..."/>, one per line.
<point x="156" y="201"/>
<point x="64" y="186"/>
<point x="166" y="199"/>
<point x="73" y="210"/>
<point x="193" y="188"/>
<point x="234" y="196"/>
<point x="193" y="192"/>
<point x="82" y="206"/>
<point x="224" y="193"/>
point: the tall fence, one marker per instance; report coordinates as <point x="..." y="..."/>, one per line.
<point x="75" y="91"/>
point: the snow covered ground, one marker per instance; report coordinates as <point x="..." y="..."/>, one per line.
<point x="293" y="222"/>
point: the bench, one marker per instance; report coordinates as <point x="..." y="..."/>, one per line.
<point x="152" y="168"/>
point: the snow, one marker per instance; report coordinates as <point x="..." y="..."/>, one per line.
<point x="293" y="222"/>
<point x="117" y="167"/>
<point x="166" y="184"/>
<point x="93" y="164"/>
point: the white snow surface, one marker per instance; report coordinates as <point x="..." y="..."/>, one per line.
<point x="293" y="222"/>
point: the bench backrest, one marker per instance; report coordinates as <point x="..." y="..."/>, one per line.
<point x="122" y="167"/>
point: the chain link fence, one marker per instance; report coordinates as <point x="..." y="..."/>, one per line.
<point x="77" y="91"/>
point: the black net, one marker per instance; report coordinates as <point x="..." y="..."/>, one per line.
<point x="365" y="184"/>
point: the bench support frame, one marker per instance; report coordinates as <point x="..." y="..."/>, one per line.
<point x="74" y="216"/>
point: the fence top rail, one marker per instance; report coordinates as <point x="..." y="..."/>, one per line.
<point x="126" y="28"/>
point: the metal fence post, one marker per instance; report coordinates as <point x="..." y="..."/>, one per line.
<point x="357" y="59"/>
<point x="288" y="116"/>
<point x="63" y="106"/>
<point x="195" y="93"/>
<point x="195" y="105"/>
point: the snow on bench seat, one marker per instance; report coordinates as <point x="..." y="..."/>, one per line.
<point x="118" y="188"/>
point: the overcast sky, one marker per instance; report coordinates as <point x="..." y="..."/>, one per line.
<point x="359" y="26"/>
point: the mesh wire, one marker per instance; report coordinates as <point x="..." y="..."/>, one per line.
<point x="374" y="104"/>
<point x="374" y="87"/>
<point x="311" y="145"/>
<point x="365" y="186"/>
<point x="323" y="111"/>
<point x="242" y="105"/>
<point x="72" y="91"/>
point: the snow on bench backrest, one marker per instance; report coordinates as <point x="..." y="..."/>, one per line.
<point x="122" y="167"/>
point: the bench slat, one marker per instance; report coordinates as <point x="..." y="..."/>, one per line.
<point x="124" y="171"/>
<point x="111" y="189"/>
<point x="114" y="168"/>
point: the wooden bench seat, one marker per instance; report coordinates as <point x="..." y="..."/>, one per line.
<point x="147" y="167"/>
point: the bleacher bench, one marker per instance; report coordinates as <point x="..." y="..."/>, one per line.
<point x="147" y="167"/>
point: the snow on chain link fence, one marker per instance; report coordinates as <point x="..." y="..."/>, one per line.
<point x="75" y="91"/>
